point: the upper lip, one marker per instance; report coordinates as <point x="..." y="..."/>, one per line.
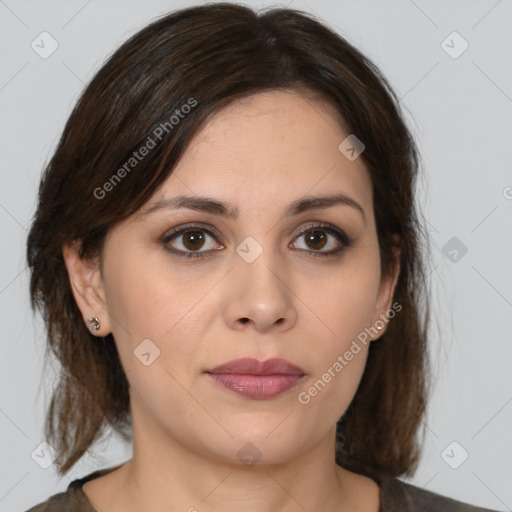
<point x="251" y="366"/>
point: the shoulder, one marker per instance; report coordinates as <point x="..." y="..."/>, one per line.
<point x="73" y="498"/>
<point x="398" y="496"/>
<point x="53" y="503"/>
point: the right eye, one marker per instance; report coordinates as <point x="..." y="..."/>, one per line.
<point x="187" y="241"/>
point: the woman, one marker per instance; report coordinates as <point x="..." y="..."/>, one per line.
<point x="226" y="252"/>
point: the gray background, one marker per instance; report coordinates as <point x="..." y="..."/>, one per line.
<point x="459" y="110"/>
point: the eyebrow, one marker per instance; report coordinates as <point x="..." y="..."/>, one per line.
<point x="215" y="207"/>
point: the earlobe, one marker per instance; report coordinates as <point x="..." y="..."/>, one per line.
<point x="87" y="287"/>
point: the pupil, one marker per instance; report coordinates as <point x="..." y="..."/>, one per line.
<point x="193" y="239"/>
<point x="315" y="238"/>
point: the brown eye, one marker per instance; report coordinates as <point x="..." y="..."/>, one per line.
<point x="322" y="240"/>
<point x="193" y="240"/>
<point x="190" y="241"/>
<point x="197" y="242"/>
<point x="315" y="239"/>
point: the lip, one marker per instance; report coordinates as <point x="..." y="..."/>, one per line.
<point x="257" y="379"/>
<point x="251" y="366"/>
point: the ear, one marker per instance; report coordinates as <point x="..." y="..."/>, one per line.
<point x="87" y="287"/>
<point x="386" y="290"/>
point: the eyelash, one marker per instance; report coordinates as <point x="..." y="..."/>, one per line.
<point x="340" y="235"/>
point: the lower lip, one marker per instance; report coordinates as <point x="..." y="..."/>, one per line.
<point x="256" y="386"/>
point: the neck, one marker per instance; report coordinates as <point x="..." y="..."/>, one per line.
<point x="177" y="478"/>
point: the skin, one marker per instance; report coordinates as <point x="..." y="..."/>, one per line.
<point x="260" y="153"/>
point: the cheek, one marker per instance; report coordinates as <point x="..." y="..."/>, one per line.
<point x="148" y="299"/>
<point x="141" y="298"/>
<point x="342" y="308"/>
<point x="343" y="304"/>
<point x="327" y="393"/>
<point x="145" y="308"/>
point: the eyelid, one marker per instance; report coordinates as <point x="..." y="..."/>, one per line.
<point x="190" y="227"/>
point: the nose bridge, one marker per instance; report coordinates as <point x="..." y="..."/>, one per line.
<point x="258" y="267"/>
<point x="262" y="293"/>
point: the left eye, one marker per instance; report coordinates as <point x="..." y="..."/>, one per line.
<point x="320" y="238"/>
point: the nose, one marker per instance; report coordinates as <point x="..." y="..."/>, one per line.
<point x="260" y="295"/>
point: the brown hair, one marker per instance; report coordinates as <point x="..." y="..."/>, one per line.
<point x="207" y="57"/>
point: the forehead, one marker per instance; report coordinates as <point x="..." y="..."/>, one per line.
<point x="261" y="116"/>
<point x="271" y="146"/>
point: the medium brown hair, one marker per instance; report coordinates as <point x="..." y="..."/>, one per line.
<point x="215" y="54"/>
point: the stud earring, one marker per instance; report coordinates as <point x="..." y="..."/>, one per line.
<point x="379" y="329"/>
<point x="95" y="324"/>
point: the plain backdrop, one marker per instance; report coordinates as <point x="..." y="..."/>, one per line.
<point x="456" y="90"/>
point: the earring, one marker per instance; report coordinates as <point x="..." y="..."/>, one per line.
<point x="379" y="328"/>
<point x="95" y="324"/>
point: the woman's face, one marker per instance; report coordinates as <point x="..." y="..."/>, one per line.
<point x="240" y="282"/>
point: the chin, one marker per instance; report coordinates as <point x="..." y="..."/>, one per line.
<point x="263" y="449"/>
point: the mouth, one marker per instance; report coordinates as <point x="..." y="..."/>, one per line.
<point x="257" y="379"/>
